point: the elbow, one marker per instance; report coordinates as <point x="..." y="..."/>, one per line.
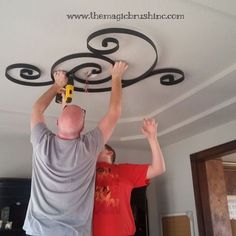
<point x="153" y="172"/>
<point x="160" y="171"/>
<point x="163" y="170"/>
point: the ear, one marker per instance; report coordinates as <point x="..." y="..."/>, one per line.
<point x="109" y="152"/>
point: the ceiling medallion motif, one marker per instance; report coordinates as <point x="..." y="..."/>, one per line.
<point x="29" y="73"/>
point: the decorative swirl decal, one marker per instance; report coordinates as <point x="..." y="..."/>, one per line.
<point x="73" y="71"/>
<point x="168" y="76"/>
<point x="27" y="73"/>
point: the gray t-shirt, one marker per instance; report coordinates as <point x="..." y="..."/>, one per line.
<point x="62" y="188"/>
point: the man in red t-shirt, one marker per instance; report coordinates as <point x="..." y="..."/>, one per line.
<point x="114" y="183"/>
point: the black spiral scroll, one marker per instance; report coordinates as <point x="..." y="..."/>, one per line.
<point x="168" y="76"/>
<point x="27" y="73"/>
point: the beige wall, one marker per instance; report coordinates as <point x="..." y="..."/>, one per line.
<point x="173" y="191"/>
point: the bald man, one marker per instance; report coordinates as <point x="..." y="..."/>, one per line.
<point x="63" y="175"/>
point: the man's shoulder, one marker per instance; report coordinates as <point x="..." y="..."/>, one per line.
<point x="39" y="131"/>
<point x="130" y="166"/>
<point x="94" y="131"/>
<point x="39" y="126"/>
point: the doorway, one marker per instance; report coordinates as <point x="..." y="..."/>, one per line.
<point x="209" y="190"/>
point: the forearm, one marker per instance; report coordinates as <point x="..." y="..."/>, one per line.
<point x="41" y="105"/>
<point x="44" y="100"/>
<point x="115" y="99"/>
<point x="157" y="167"/>
<point x="109" y="121"/>
<point x="107" y="124"/>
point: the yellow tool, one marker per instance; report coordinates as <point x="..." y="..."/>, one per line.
<point x="69" y="91"/>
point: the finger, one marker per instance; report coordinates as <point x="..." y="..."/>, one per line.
<point x="124" y="65"/>
<point x="144" y="122"/>
<point x="62" y="91"/>
<point x="148" y="121"/>
<point x="153" y="122"/>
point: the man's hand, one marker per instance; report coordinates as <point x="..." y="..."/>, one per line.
<point x="149" y="128"/>
<point x="60" y="78"/>
<point x="118" y="70"/>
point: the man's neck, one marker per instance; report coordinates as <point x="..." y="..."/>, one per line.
<point x="67" y="137"/>
<point x="105" y="159"/>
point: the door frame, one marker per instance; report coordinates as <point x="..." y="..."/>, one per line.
<point x="200" y="183"/>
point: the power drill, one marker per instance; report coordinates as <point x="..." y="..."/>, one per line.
<point x="69" y="91"/>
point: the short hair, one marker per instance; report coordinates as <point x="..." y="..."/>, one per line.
<point x="109" y="148"/>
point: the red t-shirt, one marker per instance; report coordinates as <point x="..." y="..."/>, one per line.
<point x="112" y="211"/>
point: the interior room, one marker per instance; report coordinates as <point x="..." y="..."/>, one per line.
<point x="181" y="58"/>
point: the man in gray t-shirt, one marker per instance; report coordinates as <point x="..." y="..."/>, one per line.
<point x="62" y="188"/>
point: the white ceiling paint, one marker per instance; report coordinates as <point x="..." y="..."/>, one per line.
<point x="203" y="45"/>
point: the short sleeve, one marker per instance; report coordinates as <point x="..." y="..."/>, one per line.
<point x="40" y="138"/>
<point x="94" y="141"/>
<point x="38" y="133"/>
<point x="135" y="174"/>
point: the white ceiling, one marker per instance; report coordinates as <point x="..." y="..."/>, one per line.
<point x="203" y="45"/>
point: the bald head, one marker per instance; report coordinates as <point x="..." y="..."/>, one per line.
<point x="70" y="122"/>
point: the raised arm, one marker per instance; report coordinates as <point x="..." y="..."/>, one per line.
<point x="108" y="122"/>
<point x="37" y="115"/>
<point x="157" y="167"/>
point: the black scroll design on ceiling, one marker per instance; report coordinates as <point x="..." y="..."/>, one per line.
<point x="168" y="76"/>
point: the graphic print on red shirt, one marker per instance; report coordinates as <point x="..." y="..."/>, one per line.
<point x="112" y="210"/>
<point x="106" y="191"/>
